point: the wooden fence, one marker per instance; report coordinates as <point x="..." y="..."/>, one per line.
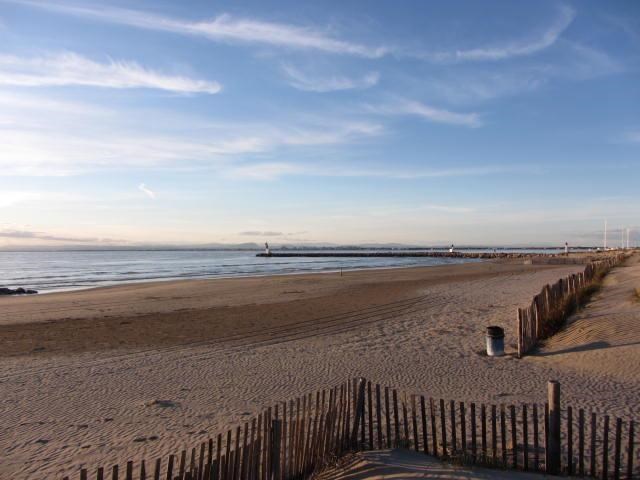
<point x="293" y="439"/>
<point x="550" y="308"/>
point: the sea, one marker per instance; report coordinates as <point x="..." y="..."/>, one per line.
<point x="52" y="271"/>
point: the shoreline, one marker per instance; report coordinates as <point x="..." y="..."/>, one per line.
<point x="252" y="275"/>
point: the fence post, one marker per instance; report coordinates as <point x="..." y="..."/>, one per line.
<point x="275" y="449"/>
<point x="553" y="391"/>
<point x="358" y="414"/>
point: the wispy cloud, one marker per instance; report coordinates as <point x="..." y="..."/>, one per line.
<point x="265" y="171"/>
<point x="149" y="193"/>
<point x="223" y="28"/>
<point x="427" y="112"/>
<point x="14" y="100"/>
<point x="63" y="69"/>
<point x="448" y="208"/>
<point x="70" y="149"/>
<point x="256" y="233"/>
<point x="306" y="82"/>
<point x="467" y="84"/>
<point x="514" y="48"/>
<point x="35" y="235"/>
<point x="276" y="170"/>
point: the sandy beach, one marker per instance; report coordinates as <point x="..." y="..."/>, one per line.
<point x="98" y="376"/>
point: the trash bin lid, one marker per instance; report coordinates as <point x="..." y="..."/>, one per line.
<point x="495" y="332"/>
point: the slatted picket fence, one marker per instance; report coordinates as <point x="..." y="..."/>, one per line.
<point x="543" y="317"/>
<point x="293" y="439"/>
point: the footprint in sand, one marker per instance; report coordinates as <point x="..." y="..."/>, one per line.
<point x="162" y="403"/>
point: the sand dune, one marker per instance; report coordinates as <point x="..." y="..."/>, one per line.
<point x="604" y="338"/>
<point x="100" y="376"/>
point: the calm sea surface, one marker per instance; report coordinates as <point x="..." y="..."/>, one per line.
<point x="70" y="270"/>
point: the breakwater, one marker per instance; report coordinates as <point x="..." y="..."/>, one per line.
<point x="486" y="255"/>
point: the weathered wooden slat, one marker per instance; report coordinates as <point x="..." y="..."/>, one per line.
<point x="525" y="438"/>
<point x="474" y="441"/>
<point x="494" y="435"/>
<point x="405" y="423"/>
<point x="581" y="442"/>
<point x="630" y="450"/>
<point x="592" y="463"/>
<point x="546" y="437"/>
<point x="569" y="441"/>
<point x="210" y="452"/>
<point x="463" y="428"/>
<point x="443" y="426"/>
<point x="170" y="468"/>
<point x="192" y="464"/>
<point x="483" y="428"/>
<point x="617" y="451"/>
<point x="434" y="428"/>
<point x="396" y="419"/>
<point x="291" y="453"/>
<point x="514" y="436"/>
<point x="243" y="458"/>
<point x="257" y="450"/>
<point x="296" y="440"/>
<point x="414" y="422"/>
<point x="370" y="412"/>
<point x="605" y="449"/>
<point x="378" y="416"/>
<point x="143" y="470"/>
<point x="340" y="421"/>
<point x="452" y="415"/>
<point x="201" y="461"/>
<point x="284" y="443"/>
<point x="387" y="415"/>
<point x="425" y="435"/>
<point x="503" y="434"/>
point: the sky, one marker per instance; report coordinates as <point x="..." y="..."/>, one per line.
<point x="196" y="122"/>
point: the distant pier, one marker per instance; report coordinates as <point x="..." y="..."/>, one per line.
<point x="486" y="255"/>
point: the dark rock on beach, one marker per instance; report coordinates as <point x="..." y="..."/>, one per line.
<point x="17" y="291"/>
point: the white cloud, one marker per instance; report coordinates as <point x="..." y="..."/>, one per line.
<point x="71" y="69"/>
<point x="302" y="81"/>
<point x="12" y="198"/>
<point x="512" y="49"/>
<point x="222" y="28"/>
<point x="68" y="148"/>
<point x="149" y="193"/>
<point x="433" y="114"/>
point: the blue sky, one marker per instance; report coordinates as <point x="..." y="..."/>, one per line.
<point x="346" y="122"/>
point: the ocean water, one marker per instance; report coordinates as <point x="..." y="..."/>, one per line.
<point x="48" y="271"/>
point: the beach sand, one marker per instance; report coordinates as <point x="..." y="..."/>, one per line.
<point x="406" y="464"/>
<point x="101" y="376"/>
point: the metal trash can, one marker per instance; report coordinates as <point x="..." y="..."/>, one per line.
<point x="495" y="341"/>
